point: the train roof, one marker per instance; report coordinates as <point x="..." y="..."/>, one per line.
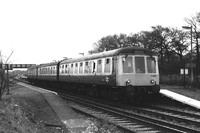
<point x="32" y="67"/>
<point x="128" y="50"/>
<point x="43" y="65"/>
<point x="48" y="64"/>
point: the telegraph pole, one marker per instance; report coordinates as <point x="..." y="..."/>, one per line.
<point x="197" y="60"/>
<point x="7" y="83"/>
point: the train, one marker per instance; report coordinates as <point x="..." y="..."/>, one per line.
<point x="129" y="73"/>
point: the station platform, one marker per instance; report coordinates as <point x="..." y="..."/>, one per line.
<point x="70" y="119"/>
<point x="181" y="97"/>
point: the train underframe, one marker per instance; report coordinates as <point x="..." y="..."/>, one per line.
<point x="128" y="94"/>
<point x="136" y="94"/>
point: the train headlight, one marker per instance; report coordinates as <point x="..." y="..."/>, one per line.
<point x="128" y="82"/>
<point x="152" y="81"/>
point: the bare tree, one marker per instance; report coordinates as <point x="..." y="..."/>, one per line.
<point x="194" y="21"/>
<point x="4" y="79"/>
<point x="179" y="42"/>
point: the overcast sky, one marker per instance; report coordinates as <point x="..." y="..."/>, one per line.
<point x="40" y="31"/>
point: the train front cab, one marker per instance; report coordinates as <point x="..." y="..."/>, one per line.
<point x="138" y="74"/>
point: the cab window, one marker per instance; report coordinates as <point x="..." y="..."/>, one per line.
<point x="139" y="65"/>
<point x="127" y="64"/>
<point x="151" y="65"/>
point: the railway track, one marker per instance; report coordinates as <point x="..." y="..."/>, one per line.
<point x="136" y="119"/>
<point x="139" y="119"/>
<point x="171" y="116"/>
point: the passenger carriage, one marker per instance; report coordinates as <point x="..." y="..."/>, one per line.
<point x="32" y="74"/>
<point x="128" y="70"/>
<point x="48" y="71"/>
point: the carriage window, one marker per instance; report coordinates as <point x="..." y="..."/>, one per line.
<point x="107" y="61"/>
<point x="66" y="67"/>
<point x="99" y="66"/>
<point x="86" y="67"/>
<point x="60" y="67"/>
<point x="81" y="67"/>
<point x="90" y="67"/>
<point x="151" y="65"/>
<point x="127" y="65"/>
<point x="107" y="66"/>
<point x="63" y="68"/>
<point x="76" y="68"/>
<point x="71" y="69"/>
<point x="55" y="70"/>
<point x="139" y="65"/>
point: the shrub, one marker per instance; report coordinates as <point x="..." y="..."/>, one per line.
<point x="174" y="79"/>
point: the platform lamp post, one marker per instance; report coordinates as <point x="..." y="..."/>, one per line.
<point x="190" y="27"/>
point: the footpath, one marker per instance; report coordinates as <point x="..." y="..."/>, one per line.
<point x="36" y="110"/>
<point x="73" y="122"/>
<point x="29" y="109"/>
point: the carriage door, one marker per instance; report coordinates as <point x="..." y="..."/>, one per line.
<point x="93" y="67"/>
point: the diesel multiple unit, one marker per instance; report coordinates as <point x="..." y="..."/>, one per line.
<point x="124" y="73"/>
